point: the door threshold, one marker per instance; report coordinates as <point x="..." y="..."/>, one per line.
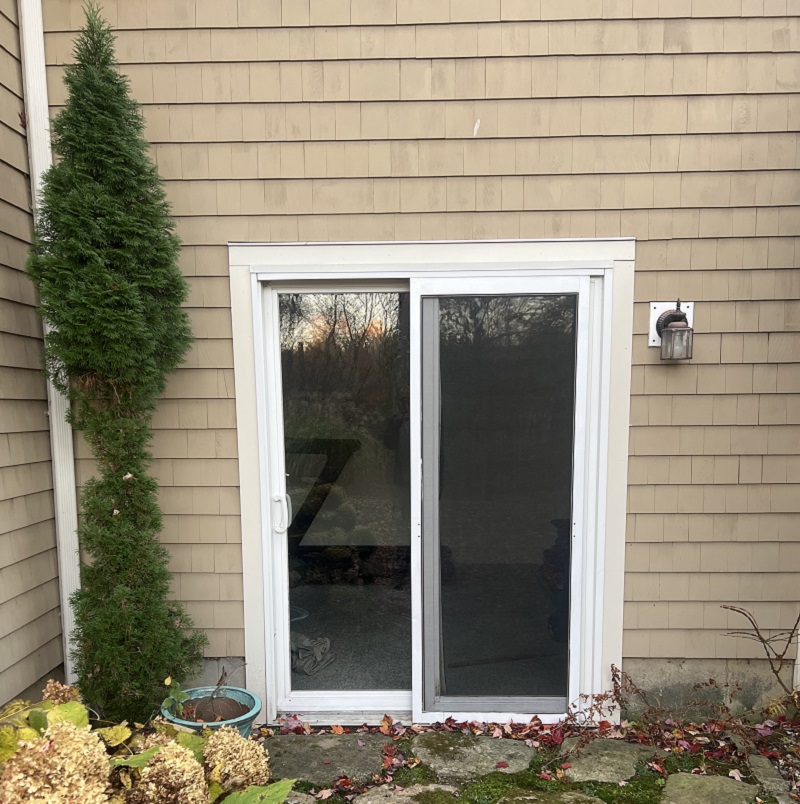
<point x="339" y="718"/>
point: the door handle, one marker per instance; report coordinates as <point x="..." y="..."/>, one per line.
<point x="282" y="501"/>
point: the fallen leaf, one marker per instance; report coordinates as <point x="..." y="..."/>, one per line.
<point x="360" y="743"/>
<point x="326" y="761"/>
<point x="323" y="794"/>
<point x="337" y="730"/>
<point x="736" y="774"/>
<point x="501" y="765"/>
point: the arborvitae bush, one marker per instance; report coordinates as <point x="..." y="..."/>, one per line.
<point x="104" y="259"/>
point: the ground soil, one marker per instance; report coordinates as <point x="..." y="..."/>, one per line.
<point x="213" y="709"/>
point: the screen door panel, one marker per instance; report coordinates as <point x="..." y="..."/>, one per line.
<point x="498" y="402"/>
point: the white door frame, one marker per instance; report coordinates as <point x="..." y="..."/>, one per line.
<point x="608" y="266"/>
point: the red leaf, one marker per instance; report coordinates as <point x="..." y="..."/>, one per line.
<point x="501" y="765"/>
<point x="566" y="765"/>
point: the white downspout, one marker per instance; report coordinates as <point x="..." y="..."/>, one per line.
<point x="37" y="114"/>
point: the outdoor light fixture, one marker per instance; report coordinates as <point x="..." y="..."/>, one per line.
<point x="671" y="329"/>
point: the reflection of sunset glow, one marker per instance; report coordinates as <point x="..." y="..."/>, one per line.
<point x="319" y="329"/>
<point x="354" y="318"/>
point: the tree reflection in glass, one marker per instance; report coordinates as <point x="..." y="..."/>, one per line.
<point x="344" y="361"/>
<point x="506" y="402"/>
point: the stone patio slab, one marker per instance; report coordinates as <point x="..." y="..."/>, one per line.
<point x="379" y="795"/>
<point x="548" y="797"/>
<point x="606" y="760"/>
<point x="688" y="788"/>
<point x="455" y="757"/>
<point x="321" y="758"/>
<point x="300" y="798"/>
<point x="769" y="777"/>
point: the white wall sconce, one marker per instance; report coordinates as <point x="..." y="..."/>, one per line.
<point x="671" y="329"/>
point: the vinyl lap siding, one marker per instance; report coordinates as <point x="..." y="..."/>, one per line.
<point x="672" y="122"/>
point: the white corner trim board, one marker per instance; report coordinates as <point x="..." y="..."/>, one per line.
<point x="37" y="114"/>
<point x="605" y="269"/>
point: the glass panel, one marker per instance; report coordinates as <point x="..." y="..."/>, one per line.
<point x="344" y="359"/>
<point x="506" y="400"/>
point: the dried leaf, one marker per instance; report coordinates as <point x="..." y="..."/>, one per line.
<point x="114" y="735"/>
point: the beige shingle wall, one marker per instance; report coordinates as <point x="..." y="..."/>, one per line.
<point x="673" y="121"/>
<point x="30" y="628"/>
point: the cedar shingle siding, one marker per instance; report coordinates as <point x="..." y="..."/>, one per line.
<point x="30" y="626"/>
<point x="672" y="121"/>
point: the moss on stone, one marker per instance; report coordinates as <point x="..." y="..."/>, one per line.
<point x="443" y="744"/>
<point x="421" y="774"/>
<point x="434" y="797"/>
<point x="493" y="786"/>
<point x="639" y="790"/>
<point x="686" y="763"/>
<point x="301" y="786"/>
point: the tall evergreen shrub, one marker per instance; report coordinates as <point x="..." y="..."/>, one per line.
<point x="104" y="259"/>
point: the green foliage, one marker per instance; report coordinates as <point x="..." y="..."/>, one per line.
<point x="176" y="697"/>
<point x="104" y="259"/>
<point x="72" y="712"/>
<point x="271" y="794"/>
<point x="194" y="742"/>
<point x="136" y="760"/>
<point x="23" y="720"/>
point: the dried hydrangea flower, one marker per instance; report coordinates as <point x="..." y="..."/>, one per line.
<point x="67" y="764"/>
<point x="155" y="738"/>
<point x="58" y="693"/>
<point x="172" y="776"/>
<point x="235" y="760"/>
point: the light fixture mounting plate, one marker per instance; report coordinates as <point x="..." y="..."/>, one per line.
<point x="657" y="309"/>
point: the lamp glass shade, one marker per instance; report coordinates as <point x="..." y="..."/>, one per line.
<point x="676" y="342"/>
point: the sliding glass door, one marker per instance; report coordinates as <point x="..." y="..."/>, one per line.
<point x="423" y="491"/>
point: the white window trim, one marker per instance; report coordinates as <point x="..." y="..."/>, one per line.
<point x="612" y="259"/>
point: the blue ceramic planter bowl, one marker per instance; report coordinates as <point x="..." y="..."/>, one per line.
<point x="244" y="723"/>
